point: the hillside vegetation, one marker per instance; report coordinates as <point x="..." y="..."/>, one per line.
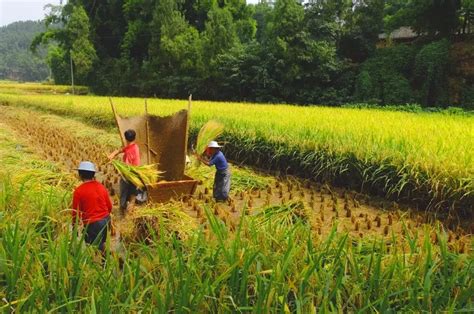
<point x="17" y="62"/>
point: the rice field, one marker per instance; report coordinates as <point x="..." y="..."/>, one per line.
<point x="310" y="237"/>
<point x="296" y="252"/>
<point x="11" y="87"/>
<point x="425" y="159"/>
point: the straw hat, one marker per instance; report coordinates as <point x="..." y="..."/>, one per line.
<point x="213" y="144"/>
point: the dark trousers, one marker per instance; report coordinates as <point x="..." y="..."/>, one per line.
<point x="126" y="191"/>
<point x="96" y="233"/>
<point x="221" y="185"/>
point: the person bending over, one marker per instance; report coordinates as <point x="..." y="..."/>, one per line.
<point x="222" y="177"/>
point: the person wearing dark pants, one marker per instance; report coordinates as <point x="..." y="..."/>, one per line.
<point x="131" y="156"/>
<point x="221" y="186"/>
<point x="92" y="206"/>
<point x="96" y="233"/>
<point x="128" y="192"/>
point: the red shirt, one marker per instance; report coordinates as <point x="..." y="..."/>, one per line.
<point x="131" y="154"/>
<point x="91" y="202"/>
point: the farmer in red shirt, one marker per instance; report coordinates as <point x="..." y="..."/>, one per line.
<point x="131" y="156"/>
<point x="91" y="205"/>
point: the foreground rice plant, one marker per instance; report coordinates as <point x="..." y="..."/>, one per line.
<point x="256" y="270"/>
<point x="420" y="158"/>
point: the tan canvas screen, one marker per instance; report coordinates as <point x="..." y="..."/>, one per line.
<point x="139" y="125"/>
<point x="167" y="139"/>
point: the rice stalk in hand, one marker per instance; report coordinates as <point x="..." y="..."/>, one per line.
<point x="140" y="176"/>
<point x="209" y="132"/>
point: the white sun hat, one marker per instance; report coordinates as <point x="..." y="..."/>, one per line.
<point x="213" y="144"/>
<point x="87" y="166"/>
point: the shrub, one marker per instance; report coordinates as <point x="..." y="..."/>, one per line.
<point x="430" y="73"/>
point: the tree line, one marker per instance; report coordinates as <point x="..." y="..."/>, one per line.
<point x="319" y="52"/>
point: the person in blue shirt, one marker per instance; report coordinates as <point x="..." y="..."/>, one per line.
<point x="222" y="178"/>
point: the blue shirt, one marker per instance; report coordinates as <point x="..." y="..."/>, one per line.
<point x="219" y="161"/>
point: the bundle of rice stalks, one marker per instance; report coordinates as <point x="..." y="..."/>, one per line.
<point x="285" y="215"/>
<point x="145" y="222"/>
<point x="209" y="132"/>
<point x="140" y="176"/>
<point x="246" y="180"/>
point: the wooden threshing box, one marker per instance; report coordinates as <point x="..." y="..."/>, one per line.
<point x="165" y="190"/>
<point x="162" y="141"/>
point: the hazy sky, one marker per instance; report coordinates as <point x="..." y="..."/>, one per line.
<point x="22" y="10"/>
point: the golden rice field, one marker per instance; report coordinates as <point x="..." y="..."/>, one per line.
<point x="282" y="245"/>
<point x="421" y="158"/>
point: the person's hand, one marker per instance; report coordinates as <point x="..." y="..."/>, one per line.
<point x="112" y="156"/>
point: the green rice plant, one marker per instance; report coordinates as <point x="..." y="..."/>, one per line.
<point x="283" y="215"/>
<point x="139" y="176"/>
<point x="258" y="269"/>
<point x="245" y="180"/>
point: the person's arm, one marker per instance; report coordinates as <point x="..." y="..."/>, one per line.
<point x="115" y="153"/>
<point x="204" y="161"/>
<point x="75" y="207"/>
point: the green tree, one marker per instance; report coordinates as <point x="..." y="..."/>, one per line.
<point x="327" y="19"/>
<point x="385" y="77"/>
<point x="196" y="12"/>
<point x="220" y="33"/>
<point x="69" y="28"/>
<point x="138" y="15"/>
<point x="433" y="17"/>
<point x="262" y="16"/>
<point x="430" y="73"/>
<point x="242" y="15"/>
<point x="467" y="16"/>
<point x="176" y="53"/>
<point x="81" y="49"/>
<point x="361" y="30"/>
